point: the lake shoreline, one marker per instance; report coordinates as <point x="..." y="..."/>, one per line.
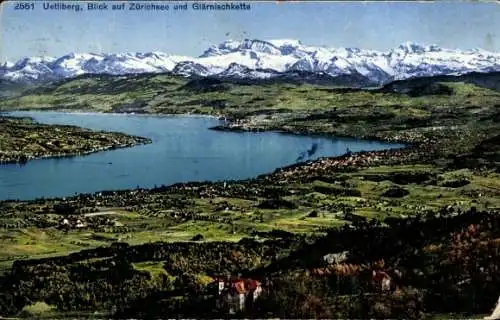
<point x="20" y="134"/>
<point x="85" y="112"/>
<point x="287" y="131"/>
<point x="231" y="124"/>
<point x="277" y="168"/>
<point x="20" y="160"/>
<point x="239" y="124"/>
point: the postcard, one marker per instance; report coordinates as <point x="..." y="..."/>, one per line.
<point x="250" y="159"/>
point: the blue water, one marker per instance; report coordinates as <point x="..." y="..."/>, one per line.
<point x="183" y="150"/>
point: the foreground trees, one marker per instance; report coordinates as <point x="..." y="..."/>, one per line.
<point x="447" y="264"/>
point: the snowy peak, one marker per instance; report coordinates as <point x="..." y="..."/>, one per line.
<point x="223" y="48"/>
<point x="189" y="68"/>
<point x="6" y="64"/>
<point x="286" y="43"/>
<point x="259" y="46"/>
<point x="231" y="46"/>
<point x="238" y="71"/>
<point x="36" y="68"/>
<point x="255" y="59"/>
<point x="416" y="48"/>
<point x="33" y="64"/>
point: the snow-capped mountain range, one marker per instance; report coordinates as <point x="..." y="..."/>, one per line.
<point x="258" y="59"/>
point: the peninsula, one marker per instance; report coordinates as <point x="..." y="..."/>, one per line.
<point x="22" y="139"/>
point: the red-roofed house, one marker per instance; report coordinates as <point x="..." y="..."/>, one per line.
<point x="237" y="294"/>
<point x="382" y="280"/>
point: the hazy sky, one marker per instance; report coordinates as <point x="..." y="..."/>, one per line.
<point x="353" y="24"/>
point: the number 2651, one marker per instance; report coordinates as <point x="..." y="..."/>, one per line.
<point x="24" y="6"/>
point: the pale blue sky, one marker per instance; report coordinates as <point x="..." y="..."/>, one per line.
<point x="367" y="25"/>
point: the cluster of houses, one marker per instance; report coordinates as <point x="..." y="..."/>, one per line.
<point x="335" y="264"/>
<point x="72" y="223"/>
<point x="82" y="221"/>
<point x="235" y="294"/>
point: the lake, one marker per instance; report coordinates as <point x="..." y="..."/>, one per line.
<point x="183" y="149"/>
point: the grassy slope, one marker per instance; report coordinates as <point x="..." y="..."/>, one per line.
<point x="169" y="94"/>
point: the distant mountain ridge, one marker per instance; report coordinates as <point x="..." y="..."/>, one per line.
<point x="490" y="80"/>
<point x="260" y="59"/>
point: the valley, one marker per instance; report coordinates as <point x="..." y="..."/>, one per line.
<point x="429" y="211"/>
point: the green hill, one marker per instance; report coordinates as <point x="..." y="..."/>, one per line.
<point x="165" y="93"/>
